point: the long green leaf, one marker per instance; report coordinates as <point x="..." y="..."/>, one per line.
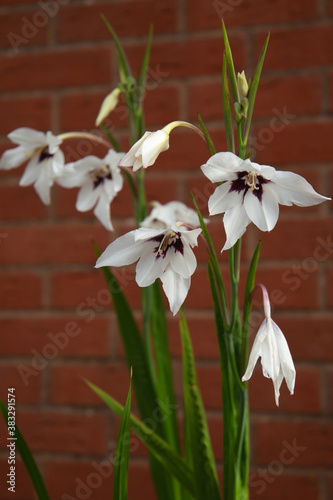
<point x="231" y="67"/>
<point x="120" y="473"/>
<point x="27" y="459"/>
<point x="211" y="147"/>
<point x="253" y="90"/>
<point x="205" y="475"/>
<point x="171" y="461"/>
<point x="123" y="66"/>
<point x="147" y="399"/>
<point x="227" y="108"/>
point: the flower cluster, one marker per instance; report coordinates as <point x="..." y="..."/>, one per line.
<point x="162" y="245"/>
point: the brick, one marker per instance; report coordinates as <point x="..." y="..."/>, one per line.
<point x="288" y="290"/>
<point x="34" y="112"/>
<point x="55" y="69"/>
<point x="23" y="29"/>
<point x="277" y="482"/>
<point x="304" y="239"/>
<point x="11" y="209"/>
<point x="236" y="13"/>
<point x="310" y="441"/>
<point x="63" y="432"/>
<point x="68" y="384"/>
<point x="203" y="336"/>
<point x="295" y="143"/>
<point x="20" y="291"/>
<point x="209" y="378"/>
<point x="10" y="377"/>
<point x="330" y="80"/>
<point x="83" y="335"/>
<point x="309" y="47"/>
<point x="172" y="59"/>
<point x="331" y="392"/>
<point x="305" y="400"/>
<point x="127" y="18"/>
<point x="24" y="489"/>
<point x="299" y="95"/>
<point x="44" y="245"/>
<point x="308" y="337"/>
<point x="330" y="288"/>
<point x="97" y="475"/>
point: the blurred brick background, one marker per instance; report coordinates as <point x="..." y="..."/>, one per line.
<point x="57" y="63"/>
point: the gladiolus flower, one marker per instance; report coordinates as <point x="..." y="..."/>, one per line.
<point x="271" y="345"/>
<point x="252" y="193"/>
<point x="45" y="159"/>
<point x="166" y="254"/>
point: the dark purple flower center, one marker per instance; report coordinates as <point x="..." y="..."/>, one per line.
<point x="248" y="181"/>
<point x="45" y="154"/>
<point x="166" y="241"/>
<point x="99" y="175"/>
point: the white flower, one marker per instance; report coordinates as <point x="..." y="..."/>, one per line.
<point x="100" y="180"/>
<point x="271" y="345"/>
<point x="164" y="254"/>
<point x="163" y="216"/>
<point x="45" y="159"/>
<point x="252" y="192"/>
<point x="146" y="150"/>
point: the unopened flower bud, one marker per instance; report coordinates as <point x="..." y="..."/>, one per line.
<point x="108" y="105"/>
<point x="243" y="87"/>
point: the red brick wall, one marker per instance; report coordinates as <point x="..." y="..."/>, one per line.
<point x="55" y="79"/>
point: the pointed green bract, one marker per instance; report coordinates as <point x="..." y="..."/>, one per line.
<point x="27" y="459"/>
<point x="121" y="463"/>
<point x="168" y="458"/>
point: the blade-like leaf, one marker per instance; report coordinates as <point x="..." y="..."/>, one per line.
<point x="27" y="459"/>
<point x="253" y="90"/>
<point x="205" y="475"/>
<point x="120" y="473"/>
<point x="123" y="65"/>
<point x="211" y="147"/>
<point x="136" y="355"/>
<point x="227" y="108"/>
<point x="171" y="461"/>
<point x="231" y="67"/>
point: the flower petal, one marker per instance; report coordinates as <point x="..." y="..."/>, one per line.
<point x="235" y="223"/>
<point x="256" y="351"/>
<point x="27" y="137"/>
<point x="223" y="199"/>
<point x="13" y="158"/>
<point x="121" y="252"/>
<point x="150" y="267"/>
<point x="286" y="361"/>
<point x="44" y="182"/>
<point x="32" y="172"/>
<point x="102" y="211"/>
<point x="175" y="288"/>
<point x="154" y="145"/>
<point x="264" y="214"/>
<point x="87" y="196"/>
<point x="222" y="167"/>
<point x="183" y="264"/>
<point x="292" y="188"/>
<point x="130" y="158"/>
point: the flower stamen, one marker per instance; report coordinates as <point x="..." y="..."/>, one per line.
<point x="168" y="239"/>
<point x="252" y="181"/>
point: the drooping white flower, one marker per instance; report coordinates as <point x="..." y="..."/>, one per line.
<point x="252" y="193"/>
<point x="166" y="254"/>
<point x="100" y="180"/>
<point x="163" y="216"/>
<point x="271" y="345"/>
<point x="146" y="150"/>
<point x="45" y="159"/>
